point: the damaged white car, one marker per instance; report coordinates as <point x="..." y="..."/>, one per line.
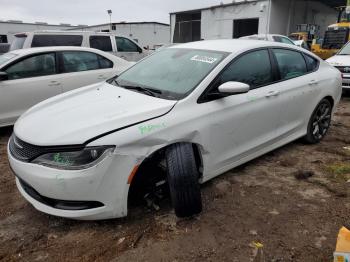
<point x="194" y="110"/>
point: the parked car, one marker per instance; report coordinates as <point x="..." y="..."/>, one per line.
<point x="121" y="46"/>
<point x="270" y="37"/>
<point x="342" y="62"/>
<point x="194" y="110"/>
<point x="303" y="44"/>
<point x="29" y="76"/>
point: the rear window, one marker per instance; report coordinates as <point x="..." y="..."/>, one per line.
<point x="101" y="42"/>
<point x="18" y="42"/>
<point x="57" y="40"/>
<point x="312" y="63"/>
<point x="291" y="64"/>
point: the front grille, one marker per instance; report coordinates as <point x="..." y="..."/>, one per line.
<point x="26" y="152"/>
<point x="335" y="39"/>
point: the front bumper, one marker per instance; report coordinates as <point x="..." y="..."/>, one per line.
<point x="104" y="186"/>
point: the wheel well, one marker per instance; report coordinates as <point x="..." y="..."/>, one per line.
<point x="330" y="99"/>
<point x="153" y="168"/>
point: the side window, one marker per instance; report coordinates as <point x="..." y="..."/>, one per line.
<point x="34" y="66"/>
<point x="290" y="63"/>
<point x="125" y="45"/>
<point x="253" y="69"/>
<point x="104" y="62"/>
<point x="101" y="42"/>
<point x="77" y="61"/>
<point x="312" y="63"/>
<point x="57" y="40"/>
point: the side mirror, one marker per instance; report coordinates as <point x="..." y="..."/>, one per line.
<point x="3" y="76"/>
<point x="233" y="88"/>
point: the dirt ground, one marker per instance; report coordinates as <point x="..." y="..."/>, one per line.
<point x="293" y="201"/>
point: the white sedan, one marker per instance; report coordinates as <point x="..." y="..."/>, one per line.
<point x="29" y="76"/>
<point x="341" y="61"/>
<point x="183" y="115"/>
<point x="270" y="37"/>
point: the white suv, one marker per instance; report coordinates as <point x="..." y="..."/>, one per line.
<point x="118" y="45"/>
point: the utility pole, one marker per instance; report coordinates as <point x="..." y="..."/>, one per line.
<point x="110" y="19"/>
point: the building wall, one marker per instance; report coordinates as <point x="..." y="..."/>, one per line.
<point x="286" y="14"/>
<point x="217" y="23"/>
<point x="313" y="12"/>
<point x="147" y="34"/>
<point x="11" y="28"/>
<point x="280" y="16"/>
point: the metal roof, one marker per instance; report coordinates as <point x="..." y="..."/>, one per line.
<point x="122" y="23"/>
<point x="216" y="6"/>
<point x="330" y="3"/>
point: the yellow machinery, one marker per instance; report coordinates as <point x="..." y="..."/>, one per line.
<point x="306" y="32"/>
<point x="336" y="36"/>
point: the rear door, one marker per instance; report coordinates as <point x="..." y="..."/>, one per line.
<point x="128" y="50"/>
<point x="81" y="68"/>
<point x="30" y="81"/>
<point x="297" y="88"/>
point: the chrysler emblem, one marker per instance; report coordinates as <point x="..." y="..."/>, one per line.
<point x="347" y="69"/>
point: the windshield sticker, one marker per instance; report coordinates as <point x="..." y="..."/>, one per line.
<point x="204" y="59"/>
<point x="149" y="128"/>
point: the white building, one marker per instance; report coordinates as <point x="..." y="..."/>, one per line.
<point x="147" y="34"/>
<point x="246" y="17"/>
<point x="11" y="27"/>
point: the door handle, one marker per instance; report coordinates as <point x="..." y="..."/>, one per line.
<point x="54" y="83"/>
<point x="272" y="94"/>
<point x="313" y="82"/>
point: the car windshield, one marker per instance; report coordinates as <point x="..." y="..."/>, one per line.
<point x="173" y="72"/>
<point x="6" y="57"/>
<point x="345" y="50"/>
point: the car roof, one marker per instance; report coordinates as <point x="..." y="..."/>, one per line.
<point x="66" y="32"/>
<point x="33" y="50"/>
<point x="232" y="45"/>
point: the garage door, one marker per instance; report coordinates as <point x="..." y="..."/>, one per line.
<point x="244" y="27"/>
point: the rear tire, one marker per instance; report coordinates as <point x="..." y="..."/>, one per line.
<point x="319" y="122"/>
<point x="183" y="176"/>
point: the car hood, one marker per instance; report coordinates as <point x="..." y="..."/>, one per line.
<point x="339" y="60"/>
<point x="80" y="115"/>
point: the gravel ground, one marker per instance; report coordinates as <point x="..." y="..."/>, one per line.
<point x="293" y="201"/>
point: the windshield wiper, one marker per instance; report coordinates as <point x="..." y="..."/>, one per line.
<point x="149" y="91"/>
<point x="343" y="54"/>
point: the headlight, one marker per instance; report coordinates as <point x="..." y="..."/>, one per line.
<point x="74" y="160"/>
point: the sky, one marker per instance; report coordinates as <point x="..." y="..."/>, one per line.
<point x="90" y="12"/>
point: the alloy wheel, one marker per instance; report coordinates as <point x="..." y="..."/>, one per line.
<point x="321" y="120"/>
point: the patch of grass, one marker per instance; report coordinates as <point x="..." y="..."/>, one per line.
<point x="339" y="170"/>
